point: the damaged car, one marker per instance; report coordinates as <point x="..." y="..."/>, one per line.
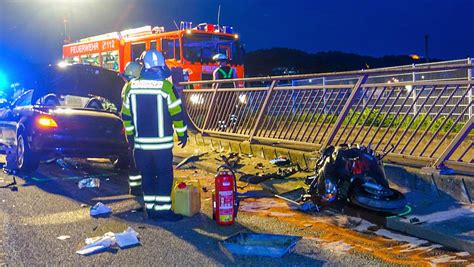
<point x="72" y="112"/>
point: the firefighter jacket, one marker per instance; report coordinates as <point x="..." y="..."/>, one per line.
<point x="154" y="110"/>
<point x="222" y="73"/>
<point x="126" y="116"/>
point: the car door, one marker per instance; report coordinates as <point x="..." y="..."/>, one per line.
<point x="10" y="116"/>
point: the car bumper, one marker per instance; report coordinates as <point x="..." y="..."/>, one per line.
<point x="78" y="146"/>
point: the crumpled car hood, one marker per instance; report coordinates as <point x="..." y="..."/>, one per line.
<point x="80" y="80"/>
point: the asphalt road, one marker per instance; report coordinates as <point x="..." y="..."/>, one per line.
<point x="48" y="204"/>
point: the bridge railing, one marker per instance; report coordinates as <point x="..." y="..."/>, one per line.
<point x="421" y="121"/>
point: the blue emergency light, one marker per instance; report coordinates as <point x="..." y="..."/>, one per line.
<point x="228" y="29"/>
<point x="3" y="81"/>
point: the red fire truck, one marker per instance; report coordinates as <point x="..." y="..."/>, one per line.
<point x="189" y="48"/>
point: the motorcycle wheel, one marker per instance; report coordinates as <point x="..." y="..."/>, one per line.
<point x="362" y="198"/>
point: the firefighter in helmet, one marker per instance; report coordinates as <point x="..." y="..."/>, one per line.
<point x="132" y="71"/>
<point x="155" y="110"/>
<point x="223" y="72"/>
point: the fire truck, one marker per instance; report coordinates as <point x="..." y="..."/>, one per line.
<point x="189" y="48"/>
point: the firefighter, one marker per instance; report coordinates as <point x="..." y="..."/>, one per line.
<point x="223" y="72"/>
<point x="155" y="111"/>
<point x="132" y="71"/>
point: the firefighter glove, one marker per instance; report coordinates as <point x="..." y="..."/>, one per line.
<point x="183" y="140"/>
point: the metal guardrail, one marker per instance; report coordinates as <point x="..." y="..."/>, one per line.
<point x="426" y="122"/>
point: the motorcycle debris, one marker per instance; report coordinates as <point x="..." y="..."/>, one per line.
<point x="259" y="166"/>
<point x="100" y="209"/>
<point x="89" y="182"/>
<point x="280" y="161"/>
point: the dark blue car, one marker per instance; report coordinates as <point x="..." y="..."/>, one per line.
<point x="73" y="112"/>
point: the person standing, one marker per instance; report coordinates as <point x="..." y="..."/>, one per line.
<point x="155" y="110"/>
<point x="223" y="72"/>
<point x="132" y="71"/>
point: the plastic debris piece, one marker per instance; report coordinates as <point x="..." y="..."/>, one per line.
<point x="63" y="237"/>
<point x="89" y="182"/>
<point x="259" y="166"/>
<point x="280" y="161"/>
<point x="128" y="238"/>
<point x="99" y="209"/>
<point x="84" y="205"/>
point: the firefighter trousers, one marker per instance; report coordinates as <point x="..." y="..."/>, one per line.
<point x="156" y="168"/>
<point x="134" y="177"/>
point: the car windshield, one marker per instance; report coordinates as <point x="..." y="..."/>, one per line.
<point x="202" y="47"/>
<point x="77" y="102"/>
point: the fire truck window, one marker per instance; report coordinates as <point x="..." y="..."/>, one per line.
<point x="202" y="47"/>
<point x="93" y="59"/>
<point x="110" y="60"/>
<point x="167" y="47"/>
<point x="153" y="45"/>
<point x="137" y="50"/>
<point x="177" y="49"/>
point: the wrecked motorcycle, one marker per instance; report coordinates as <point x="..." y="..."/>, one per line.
<point x="354" y="174"/>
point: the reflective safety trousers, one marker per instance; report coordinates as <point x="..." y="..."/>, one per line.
<point x="151" y="110"/>
<point x="156" y="168"/>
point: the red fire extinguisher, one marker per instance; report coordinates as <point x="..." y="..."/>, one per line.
<point x="225" y="203"/>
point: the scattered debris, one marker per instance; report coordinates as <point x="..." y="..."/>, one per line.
<point x="97" y="244"/>
<point x="259" y="166"/>
<point x="127" y="238"/>
<point x="190" y="159"/>
<point x="280" y="161"/>
<point x="100" y="209"/>
<point x="232" y="160"/>
<point x="63" y="237"/>
<point x="84" y="205"/>
<point x="89" y="182"/>
<point x="261" y="244"/>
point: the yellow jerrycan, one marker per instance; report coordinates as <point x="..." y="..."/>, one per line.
<point x="186" y="197"/>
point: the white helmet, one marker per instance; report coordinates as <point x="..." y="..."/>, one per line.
<point x="219" y="57"/>
<point x="155" y="61"/>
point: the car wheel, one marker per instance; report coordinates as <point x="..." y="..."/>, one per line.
<point x="121" y="162"/>
<point x="26" y="160"/>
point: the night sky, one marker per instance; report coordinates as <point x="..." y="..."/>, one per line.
<point x="34" y="29"/>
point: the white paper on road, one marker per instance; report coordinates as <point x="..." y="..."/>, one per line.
<point x="63" y="237"/>
<point x="96" y="244"/>
<point x="127" y="239"/>
<point x="99" y="209"/>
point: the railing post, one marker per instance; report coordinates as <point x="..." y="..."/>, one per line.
<point x="458" y="139"/>
<point x="469" y="94"/>
<point x="345" y="111"/>
<point x="262" y="110"/>
<point x="413" y="90"/>
<point x="211" y="107"/>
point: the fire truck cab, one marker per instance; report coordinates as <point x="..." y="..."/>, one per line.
<point x="189" y="48"/>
